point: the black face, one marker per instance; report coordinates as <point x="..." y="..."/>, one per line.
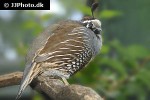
<point x="96" y="31"/>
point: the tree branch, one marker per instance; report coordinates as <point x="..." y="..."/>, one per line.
<point x="53" y="88"/>
<point x="10" y="79"/>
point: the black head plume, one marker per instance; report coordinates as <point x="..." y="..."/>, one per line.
<point x="93" y="7"/>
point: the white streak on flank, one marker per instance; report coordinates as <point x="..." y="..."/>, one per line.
<point x="63" y="42"/>
<point x="64" y="48"/>
<point x="65" y="58"/>
<point x="73" y="62"/>
<point x="66" y="41"/>
<point x="69" y="55"/>
<point x="63" y="64"/>
<point x="79" y="37"/>
<point x="50" y="57"/>
<point x="81" y="30"/>
<point x="87" y="34"/>
<point x="80" y="50"/>
<point x="73" y="33"/>
<point x="70" y="45"/>
<point x="59" y="55"/>
<point x="77" y="53"/>
<point x="69" y="65"/>
<point x="84" y="33"/>
<point x="76" y="41"/>
<point x="77" y="33"/>
<point x="73" y="50"/>
<point x="76" y="29"/>
<point x="59" y="62"/>
<point x="48" y="54"/>
<point x="87" y="40"/>
<point x="65" y="55"/>
<point x="44" y="54"/>
<point x="69" y="60"/>
<point x="55" y="52"/>
<point x="75" y="46"/>
<point x="62" y="57"/>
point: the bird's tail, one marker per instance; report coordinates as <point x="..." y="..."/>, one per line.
<point x="29" y="74"/>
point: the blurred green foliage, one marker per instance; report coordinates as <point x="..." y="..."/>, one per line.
<point x="122" y="69"/>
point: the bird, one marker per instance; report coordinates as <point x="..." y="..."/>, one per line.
<point x="63" y="49"/>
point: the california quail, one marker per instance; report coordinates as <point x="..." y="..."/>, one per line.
<point x="63" y="49"/>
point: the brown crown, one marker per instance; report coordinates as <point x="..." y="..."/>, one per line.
<point x="87" y="18"/>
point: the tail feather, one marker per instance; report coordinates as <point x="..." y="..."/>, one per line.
<point x="22" y="88"/>
<point x="29" y="74"/>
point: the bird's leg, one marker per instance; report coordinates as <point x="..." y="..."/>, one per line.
<point x="65" y="81"/>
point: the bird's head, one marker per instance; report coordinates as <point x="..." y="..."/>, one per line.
<point x="91" y="22"/>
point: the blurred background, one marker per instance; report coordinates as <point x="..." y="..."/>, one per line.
<point x="120" y="72"/>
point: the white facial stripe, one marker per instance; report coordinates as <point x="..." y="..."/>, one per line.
<point x="87" y="21"/>
<point x="95" y="22"/>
